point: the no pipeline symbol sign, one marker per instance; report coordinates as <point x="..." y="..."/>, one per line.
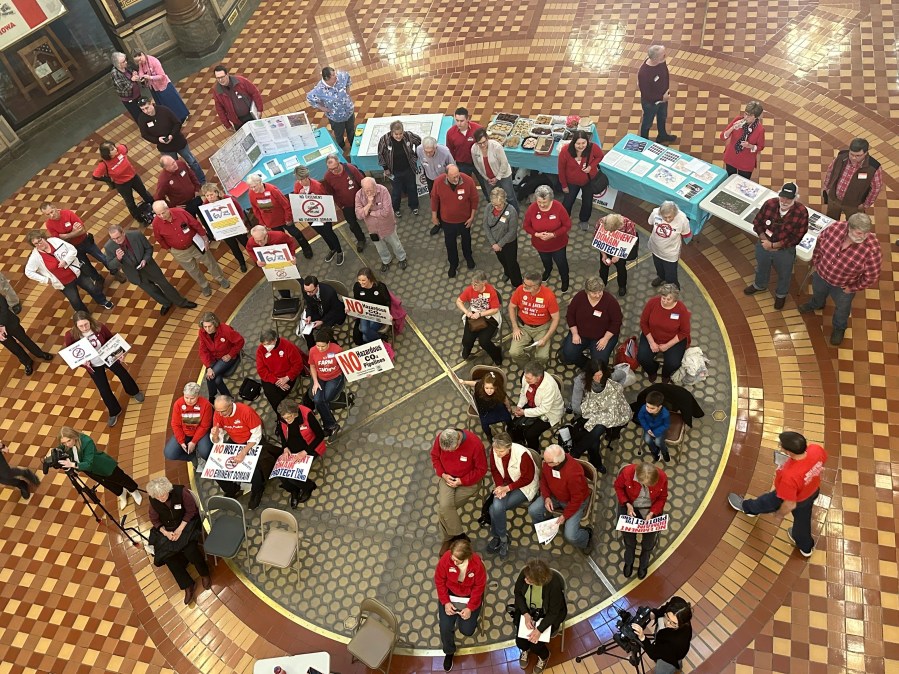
<point x="313" y="209"/>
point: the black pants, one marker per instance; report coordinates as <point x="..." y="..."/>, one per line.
<point x="529" y="435"/>
<point x="485" y="339"/>
<point x="404" y="183"/>
<point x="586" y="200"/>
<point x="630" y="542"/>
<point x="451" y="232"/>
<point x="540" y="649"/>
<point x="731" y="170"/>
<point x="295" y="232"/>
<point x="469" y="170"/>
<point x="98" y="374"/>
<point x="117" y="482"/>
<point x="178" y="565"/>
<point x="326" y="230"/>
<point x="126" y="191"/>
<point x="508" y="258"/>
<point x="236" y="245"/>
<point x="268" y="456"/>
<point x="665" y="270"/>
<point x="349" y="214"/>
<point x="590" y="442"/>
<point x="156" y="285"/>
<point x="672" y="358"/>
<point x="275" y="394"/>
<point x="560" y="257"/>
<point x="16" y="339"/>
<point x="620" y="267"/>
<point x="20" y="478"/>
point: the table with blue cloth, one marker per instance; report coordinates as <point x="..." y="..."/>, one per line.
<point x="690" y="180"/>
<point x="369" y="162"/>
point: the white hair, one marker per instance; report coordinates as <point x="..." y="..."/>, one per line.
<point x="544" y="192"/>
<point x="654" y="50"/>
<point x="553" y="453"/>
<point x="116" y="55"/>
<point x="254" y="179"/>
<point x="159" y="488"/>
<point x="191" y="389"/>
<point x="428" y="142"/>
<point x="668" y="208"/>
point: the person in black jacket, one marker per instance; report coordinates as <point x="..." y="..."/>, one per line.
<point x="324" y="308"/>
<point x="13" y="337"/>
<point x="21" y="478"/>
<point x="540" y="600"/>
<point x="368" y="289"/>
<point x="672" y="638"/>
<point x="303" y="436"/>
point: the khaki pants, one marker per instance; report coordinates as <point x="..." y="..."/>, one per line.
<point x="449" y="501"/>
<point x="529" y="335"/>
<point x="188" y="259"/>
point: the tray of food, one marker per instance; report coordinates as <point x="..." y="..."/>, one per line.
<point x="512" y="142"/>
<point x="544" y="145"/>
<point x="498" y="137"/>
<point x="559" y="128"/>
<point x="586" y="124"/>
<point x="522" y="126"/>
<point x="538" y="130"/>
<point x="506" y="117"/>
<point x="529" y="143"/>
<point x="543" y="119"/>
<point x="499" y="127"/>
<point x="559" y="119"/>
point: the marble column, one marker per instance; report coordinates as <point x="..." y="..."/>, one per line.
<point x="196" y="27"/>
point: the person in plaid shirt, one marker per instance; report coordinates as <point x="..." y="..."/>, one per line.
<point x="780" y="224"/>
<point x="847" y="259"/>
<point x="852" y="181"/>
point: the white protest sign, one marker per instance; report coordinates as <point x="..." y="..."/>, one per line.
<point x="115" y="349"/>
<point x="223" y="219"/>
<point x="606" y="198"/>
<point x="78" y="353"/>
<point x="372" y="312"/>
<point x="463" y="390"/>
<point x="364" y="361"/>
<point x="280" y="261"/>
<point x="637" y="525"/>
<point x="290" y="467"/>
<point x="220" y="464"/>
<point x="421" y="183"/>
<point x="546" y="530"/>
<point x="311" y="207"/>
<point x="616" y="244"/>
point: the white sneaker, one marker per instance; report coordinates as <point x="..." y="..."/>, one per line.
<point x="136" y="497"/>
<point x="123" y="500"/>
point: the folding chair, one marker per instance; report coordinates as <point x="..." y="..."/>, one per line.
<point x="287" y="301"/>
<point x="560" y="632"/>
<point x="228" y="528"/>
<point x="279" y="547"/>
<point x="677" y="431"/>
<point x="375" y="635"/>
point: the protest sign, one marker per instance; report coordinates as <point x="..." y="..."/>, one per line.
<point x="372" y="312"/>
<point x="364" y="361"/>
<point x="313" y="207"/>
<point x="292" y="468"/>
<point x="220" y="464"/>
<point x="115" y="349"/>
<point x="78" y="353"/>
<point x="223" y="219"/>
<point x="280" y="261"/>
<point x="637" y="525"/>
<point x="606" y="198"/>
<point x="615" y="244"/>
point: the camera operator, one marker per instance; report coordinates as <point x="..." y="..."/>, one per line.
<point x="82" y="454"/>
<point x="672" y="638"/>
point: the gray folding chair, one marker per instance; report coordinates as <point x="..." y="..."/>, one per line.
<point x="375" y="635"/>
<point x="228" y="528"/>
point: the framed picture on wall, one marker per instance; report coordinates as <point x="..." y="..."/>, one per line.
<point x="45" y="64"/>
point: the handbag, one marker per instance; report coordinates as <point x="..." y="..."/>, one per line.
<point x="476" y="324"/>
<point x="598" y="183"/>
<point x="523" y="422"/>
<point x="249" y="389"/>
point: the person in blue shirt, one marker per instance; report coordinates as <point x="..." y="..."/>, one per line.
<point x="655" y="420"/>
<point x="332" y="96"/>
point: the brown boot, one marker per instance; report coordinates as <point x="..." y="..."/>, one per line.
<point x="207" y="582"/>
<point x="189" y="594"/>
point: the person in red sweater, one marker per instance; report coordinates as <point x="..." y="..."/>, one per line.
<point x="629" y="486"/>
<point x="594" y="321"/>
<point x="234" y="98"/>
<point x="460" y="141"/>
<point x="210" y="193"/>
<point x="176" y="231"/>
<point x="665" y="329"/>
<point x="547" y="221"/>
<point x="459" y="573"/>
<point x="327" y="378"/>
<point x="578" y="165"/>
<point x="220" y="347"/>
<point x="260" y="236"/>
<point x="191" y="423"/>
<point x="564" y="494"/>
<point x="272" y="210"/>
<point x="454" y="204"/>
<point x="307" y="185"/>
<point x="178" y="185"/>
<point x="279" y="363"/>
<point x="460" y="464"/>
<point x="343" y="182"/>
<point x="116" y="170"/>
<point x="744" y="138"/>
<point x="68" y="226"/>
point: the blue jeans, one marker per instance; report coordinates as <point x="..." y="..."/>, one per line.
<point x="369" y="330"/>
<point x="174" y="452"/>
<point x="573" y="354"/>
<point x="586" y="193"/>
<point x="498" y="509"/>
<point x="449" y="624"/>
<point x="657" y="111"/>
<point x="656" y="445"/>
<point x="782" y="260"/>
<point x="560" y="257"/>
<point x="222" y="369"/>
<point x="404" y="182"/>
<point x="802" y="515"/>
<point x="323" y="397"/>
<point x="571" y="530"/>
<point x="70" y="290"/>
<point x="672" y="358"/>
<point x="89" y="247"/>
<point x="191" y="161"/>
<point x="842" y="301"/>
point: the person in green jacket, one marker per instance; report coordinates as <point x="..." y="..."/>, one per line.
<point x="98" y="465"/>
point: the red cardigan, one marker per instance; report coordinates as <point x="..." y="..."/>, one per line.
<point x="570" y="170"/>
<point x="104" y="335"/>
<point x="745" y="160"/>
<point x="468" y="462"/>
<point x="274" y="210"/>
<point x="554" y="220"/>
<point x="570" y="487"/>
<point x="658" y="321"/>
<point x="198" y="422"/>
<point x="446" y="578"/>
<point x="627" y="489"/>
<point x="284" y="360"/>
<point x="226" y="342"/>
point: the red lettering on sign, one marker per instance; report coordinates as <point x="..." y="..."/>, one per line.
<point x="349" y="362"/>
<point x="354" y="306"/>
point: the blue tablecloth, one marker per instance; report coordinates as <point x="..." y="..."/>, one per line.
<point x="643" y="187"/>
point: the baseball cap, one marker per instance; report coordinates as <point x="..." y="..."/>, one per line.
<point x="788" y="191"/>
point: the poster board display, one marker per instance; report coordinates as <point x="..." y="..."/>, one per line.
<point x="223" y="219"/>
<point x="280" y="262"/>
<point x="420" y="125"/>
<point x="313" y="208"/>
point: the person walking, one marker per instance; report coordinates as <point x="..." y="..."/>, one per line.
<point x="14" y="338"/>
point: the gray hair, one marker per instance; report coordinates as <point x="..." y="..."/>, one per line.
<point x="268" y="335"/>
<point x="192" y="389"/>
<point x="258" y="229"/>
<point x="209" y="317"/>
<point x="498" y="194"/>
<point x="429" y="142"/>
<point x="449" y="439"/>
<point x="754" y="108"/>
<point x="653" y="51"/>
<point x="594" y="284"/>
<point x="532" y="275"/>
<point x="224" y="397"/>
<point x="553" y="453"/>
<point x="159" y="488"/>
<point x="535" y="368"/>
<point x="333" y="156"/>
<point x="668" y="209"/>
<point x="543" y="192"/>
<point x="116" y="55"/>
<point x="254" y="179"/>
<point x="860" y="222"/>
<point x="115" y="228"/>
<point x="669" y="290"/>
<point x="478" y="276"/>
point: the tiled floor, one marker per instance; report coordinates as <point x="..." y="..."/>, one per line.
<point x="76" y="600"/>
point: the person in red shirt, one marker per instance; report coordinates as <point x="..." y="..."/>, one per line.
<point x="54" y="262"/>
<point x="460" y="463"/>
<point x="578" y="166"/>
<point x="547" y="221"/>
<point x="66" y="225"/>
<point x="116" y="170"/>
<point x="629" y="486"/>
<point x="234" y="97"/>
<point x="327" y="378"/>
<point x="279" y="363"/>
<point x="191" y="423"/>
<point x="454" y="204"/>
<point x="176" y="231"/>
<point x="459" y="573"/>
<point x="534" y="317"/>
<point x="260" y="237"/>
<point x="343" y="182"/>
<point x="210" y="193"/>
<point x="665" y="329"/>
<point x="797" y="483"/>
<point x="564" y="494"/>
<point x="460" y="140"/>
<point x="847" y="260"/>
<point x="178" y="185"/>
<point x="744" y="138"/>
<point x="220" y="348"/>
<point x="272" y="209"/>
<point x="594" y="321"/>
<point x="307" y="185"/>
<point x="480" y="301"/>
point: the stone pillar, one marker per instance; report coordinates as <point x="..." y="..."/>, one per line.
<point x="195" y="27"/>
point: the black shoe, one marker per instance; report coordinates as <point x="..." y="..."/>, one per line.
<point x="414" y="211"/>
<point x="589" y="531"/>
<point x="470" y="263"/>
<point x="307" y="253"/>
<point x="190" y="305"/>
<point x="546" y="276"/>
<point x="656" y="282"/>
<point x="360" y="246"/>
<point x="622" y="292"/>
<point x="565" y="287"/>
<point x="17" y="308"/>
<point x="294" y="501"/>
<point x="641" y="573"/>
<point x="25" y="493"/>
<point x="670" y="138"/>
<point x="779" y="302"/>
<point x="304" y="496"/>
<point x="435" y="230"/>
<point x="448" y="662"/>
<point x="602" y="469"/>
<point x="806" y="308"/>
<point x="666" y="457"/>
<point x="403" y="264"/>
<point x="255" y="500"/>
<point x="331" y="255"/>
<point x="751" y="289"/>
<point x="243" y="269"/>
<point x="628" y="569"/>
<point x="29" y="369"/>
<point x="451" y="272"/>
<point x="46" y="356"/>
<point x="836" y="337"/>
<point x="385" y="266"/>
<point x="165" y="309"/>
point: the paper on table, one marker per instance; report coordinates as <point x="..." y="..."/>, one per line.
<point x="706" y="176"/>
<point x="524" y="632"/>
<point x="291" y="162"/>
<point x="547" y="530"/>
<point x="612" y="158"/>
<point x="199" y="243"/>
<point x="626" y="163"/>
<point x="641" y="168"/>
<point x="459" y="602"/>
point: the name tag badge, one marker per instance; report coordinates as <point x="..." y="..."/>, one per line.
<point x="656" y="78"/>
<point x="557" y="474"/>
<point x="183" y="173"/>
<point x="223" y="339"/>
<point x="675" y="317"/>
<point x="486" y="296"/>
<point x="461" y="192"/>
<point x="862" y="176"/>
<point x="177" y="506"/>
<point x="552" y="217"/>
<point x="598" y="314"/>
<point x="502" y="219"/>
<point x="463" y="458"/>
<point x="539" y="217"/>
<point x="150" y="125"/>
<point x="267" y="193"/>
<point x="461" y="197"/>
<point x="538" y="300"/>
<point x="769" y="233"/>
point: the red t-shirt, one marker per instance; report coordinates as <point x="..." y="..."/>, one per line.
<point x="798" y="480"/>
<point x="64" y="225"/>
<point x="63" y="274"/>
<point x="459" y="144"/>
<point x="483" y="301"/>
<point x="239" y="426"/>
<point x="535" y="309"/>
<point x="325" y="362"/>
<point x="118" y="169"/>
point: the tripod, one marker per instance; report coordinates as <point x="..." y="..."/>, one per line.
<point x="635" y="657"/>
<point x="92" y="501"/>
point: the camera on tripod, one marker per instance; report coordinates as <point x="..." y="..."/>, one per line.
<point x="625" y="637"/>
<point x="52" y="460"/>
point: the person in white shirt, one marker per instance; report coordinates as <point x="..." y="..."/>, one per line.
<point x="670" y="228"/>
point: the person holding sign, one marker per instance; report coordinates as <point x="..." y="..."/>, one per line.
<point x="564" y="494"/>
<point x="670" y="228"/>
<point x="327" y="379"/>
<point x="82" y="454"/>
<point x="54" y="262"/>
<point x="515" y="482"/>
<point x="304" y="184"/>
<point x="210" y="193"/>
<point x="97" y="335"/>
<point x="594" y="321"/>
<point x="613" y="224"/>
<point x="481" y="317"/>
<point x="303" y="436"/>
<point x="460" y="464"/>
<point x="642" y="490"/>
<point x="665" y="329"/>
<point x="273" y="211"/>
<point x="14" y="338"/>
<point x="461" y="579"/>
<point x="369" y="289"/>
<point x="540" y="602"/>
<point x="279" y="363"/>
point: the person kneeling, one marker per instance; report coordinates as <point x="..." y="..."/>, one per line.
<point x="303" y="436"/>
<point x="672" y="639"/>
